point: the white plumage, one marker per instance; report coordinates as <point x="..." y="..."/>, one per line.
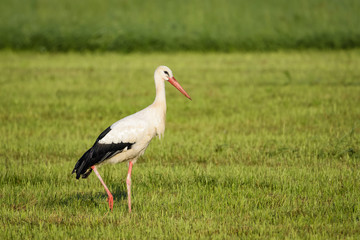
<point x="139" y="129"/>
<point x="128" y="138"/>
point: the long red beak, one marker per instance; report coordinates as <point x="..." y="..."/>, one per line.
<point x="179" y="87"/>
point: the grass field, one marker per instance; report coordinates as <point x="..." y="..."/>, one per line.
<point x="268" y="148"/>
<point x="197" y="25"/>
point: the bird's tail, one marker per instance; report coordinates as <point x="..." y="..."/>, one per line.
<point x="82" y="168"/>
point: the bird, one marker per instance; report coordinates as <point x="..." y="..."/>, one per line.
<point x="127" y="139"/>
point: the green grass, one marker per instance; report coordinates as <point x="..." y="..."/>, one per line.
<point x="268" y="148"/>
<point x="158" y="25"/>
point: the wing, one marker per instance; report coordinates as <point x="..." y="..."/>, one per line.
<point x="99" y="152"/>
<point x="132" y="131"/>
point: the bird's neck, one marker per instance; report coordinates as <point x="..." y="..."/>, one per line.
<point x="159" y="106"/>
<point x="160" y="99"/>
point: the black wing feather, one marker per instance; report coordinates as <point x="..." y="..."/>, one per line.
<point x="98" y="153"/>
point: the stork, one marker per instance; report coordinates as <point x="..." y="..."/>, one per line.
<point x="127" y="139"/>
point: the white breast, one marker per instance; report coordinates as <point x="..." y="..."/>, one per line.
<point x="139" y="129"/>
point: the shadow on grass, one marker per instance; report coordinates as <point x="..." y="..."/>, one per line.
<point x="86" y="199"/>
<point x="119" y="193"/>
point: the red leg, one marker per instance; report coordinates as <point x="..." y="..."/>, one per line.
<point x="110" y="196"/>
<point x="128" y="185"/>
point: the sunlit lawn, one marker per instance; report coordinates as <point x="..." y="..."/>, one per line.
<point x="268" y="148"/>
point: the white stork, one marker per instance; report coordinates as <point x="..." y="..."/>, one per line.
<point x="127" y="139"/>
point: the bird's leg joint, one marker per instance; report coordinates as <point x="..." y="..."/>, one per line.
<point x="128" y="180"/>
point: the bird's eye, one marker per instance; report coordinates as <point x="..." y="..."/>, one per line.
<point x="166" y="73"/>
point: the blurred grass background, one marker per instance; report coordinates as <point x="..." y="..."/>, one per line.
<point x="214" y="25"/>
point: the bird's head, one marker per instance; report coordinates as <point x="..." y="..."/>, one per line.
<point x="166" y="74"/>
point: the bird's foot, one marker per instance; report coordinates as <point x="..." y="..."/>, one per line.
<point x="111" y="202"/>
